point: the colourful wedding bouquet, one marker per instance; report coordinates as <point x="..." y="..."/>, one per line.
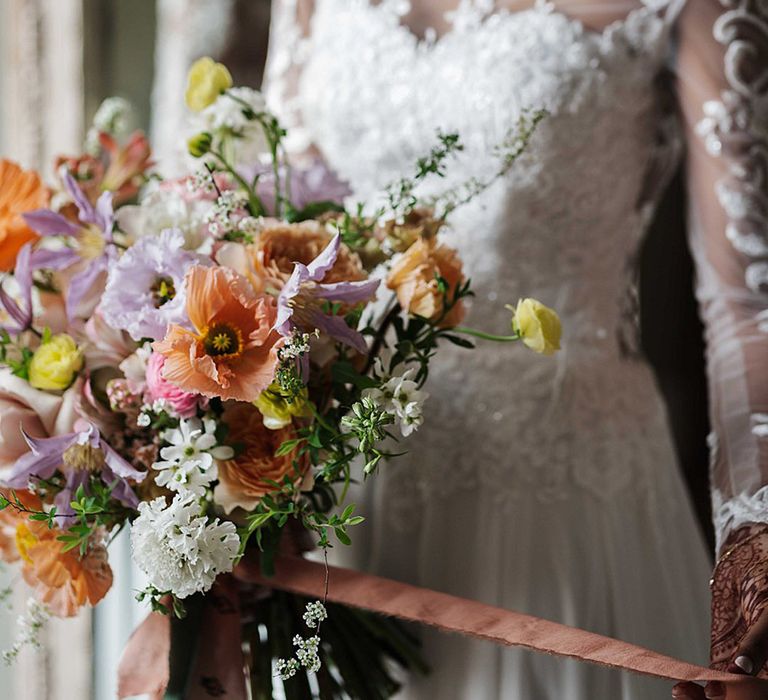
<point x="212" y="360"/>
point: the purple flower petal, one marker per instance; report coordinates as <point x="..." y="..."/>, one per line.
<point x="318" y="268"/>
<point x="49" y="223"/>
<point x="22" y="315"/>
<point x="87" y="213"/>
<point x="54" y="259"/>
<point x="121" y="490"/>
<point x="105" y="217"/>
<point x="120" y="466"/>
<point x="82" y="282"/>
<point x="336" y="327"/>
<point x="349" y="292"/>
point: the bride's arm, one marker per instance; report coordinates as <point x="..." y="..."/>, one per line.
<point x="723" y="86"/>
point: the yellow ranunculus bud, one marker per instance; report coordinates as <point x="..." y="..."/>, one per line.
<point x="537" y="325"/>
<point x="277" y="411"/>
<point x="206" y="80"/>
<point x="55" y="363"/>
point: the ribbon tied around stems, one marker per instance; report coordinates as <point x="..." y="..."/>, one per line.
<point x="218" y="665"/>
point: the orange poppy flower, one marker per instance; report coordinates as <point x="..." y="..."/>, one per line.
<point x="64" y="581"/>
<point x="20" y="191"/>
<point x="232" y="351"/>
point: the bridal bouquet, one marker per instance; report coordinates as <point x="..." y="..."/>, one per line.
<point x="210" y="361"/>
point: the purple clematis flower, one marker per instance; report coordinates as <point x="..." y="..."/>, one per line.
<point x="77" y="455"/>
<point x="97" y="220"/>
<point x="300" y="304"/>
<point x="20" y="313"/>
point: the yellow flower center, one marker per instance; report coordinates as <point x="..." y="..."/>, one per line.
<point x="163" y="290"/>
<point x="222" y="340"/>
<point x="24" y="540"/>
<point x="91" y="242"/>
<point x="83" y="458"/>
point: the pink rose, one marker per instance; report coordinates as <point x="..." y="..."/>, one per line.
<point x="182" y="402"/>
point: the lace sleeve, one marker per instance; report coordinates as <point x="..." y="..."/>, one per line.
<point x="287" y="49"/>
<point x="723" y="82"/>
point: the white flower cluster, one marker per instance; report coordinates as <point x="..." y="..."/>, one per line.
<point x="401" y="397"/>
<point x="219" y="218"/>
<point x="178" y="548"/>
<point x="30" y="624"/>
<point x="306" y="649"/>
<point x="111" y="118"/>
<point x="315" y="614"/>
<point x="234" y="114"/>
<point x="188" y="462"/>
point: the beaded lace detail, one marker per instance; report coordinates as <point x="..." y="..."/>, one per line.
<point x="736" y="126"/>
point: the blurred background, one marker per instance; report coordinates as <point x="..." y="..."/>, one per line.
<point x="60" y="59"/>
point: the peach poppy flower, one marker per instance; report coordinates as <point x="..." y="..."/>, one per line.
<point x="20" y="191"/>
<point x="243" y="479"/>
<point x="232" y="351"/>
<point x="64" y="581"/>
<point x="414" y="278"/>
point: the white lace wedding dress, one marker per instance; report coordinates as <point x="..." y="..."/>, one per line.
<point x="544" y="485"/>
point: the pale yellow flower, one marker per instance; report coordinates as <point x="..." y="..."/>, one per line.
<point x="55" y="363"/>
<point x="537" y="325"/>
<point x="277" y="411"/>
<point x="206" y="80"/>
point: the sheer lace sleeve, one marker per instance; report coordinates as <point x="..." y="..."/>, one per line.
<point x="287" y="49"/>
<point x="723" y="79"/>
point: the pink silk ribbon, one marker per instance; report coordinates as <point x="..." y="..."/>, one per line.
<point x="144" y="665"/>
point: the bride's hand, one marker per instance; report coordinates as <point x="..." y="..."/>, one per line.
<point x="739" y="613"/>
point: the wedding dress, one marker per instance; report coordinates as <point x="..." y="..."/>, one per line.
<point x="547" y="485"/>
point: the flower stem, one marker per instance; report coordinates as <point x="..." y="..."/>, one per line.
<point x="486" y="336"/>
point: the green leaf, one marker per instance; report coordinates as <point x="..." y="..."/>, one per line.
<point x="342" y="536"/>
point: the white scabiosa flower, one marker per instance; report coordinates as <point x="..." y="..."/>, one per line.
<point x="179" y="549"/>
<point x="401" y="397"/>
<point x="188" y="462"/>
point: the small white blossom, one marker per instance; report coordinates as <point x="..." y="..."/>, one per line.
<point x="188" y="462"/>
<point x="30" y="624"/>
<point x="144" y="420"/>
<point x="233" y="115"/>
<point x="111" y="118"/>
<point x="401" y="397"/>
<point x="315" y="613"/>
<point x="179" y="549"/>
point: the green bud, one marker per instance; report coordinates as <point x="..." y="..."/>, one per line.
<point x="199" y="144"/>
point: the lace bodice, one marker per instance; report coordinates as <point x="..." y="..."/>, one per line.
<point x="564" y="226"/>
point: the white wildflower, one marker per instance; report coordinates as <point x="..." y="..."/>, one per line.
<point x="401" y="397"/>
<point x="179" y="549"/>
<point x="234" y="114"/>
<point x="188" y="462"/>
<point x="112" y="117"/>
<point x="30" y="625"/>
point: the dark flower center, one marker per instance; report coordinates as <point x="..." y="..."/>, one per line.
<point x="222" y="340"/>
<point x="163" y="291"/>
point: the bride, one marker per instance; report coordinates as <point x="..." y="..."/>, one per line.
<point x="551" y="487"/>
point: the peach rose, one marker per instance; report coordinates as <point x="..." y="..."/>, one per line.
<point x="414" y="278"/>
<point x="242" y="479"/>
<point x="280" y="245"/>
<point x="39" y="413"/>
